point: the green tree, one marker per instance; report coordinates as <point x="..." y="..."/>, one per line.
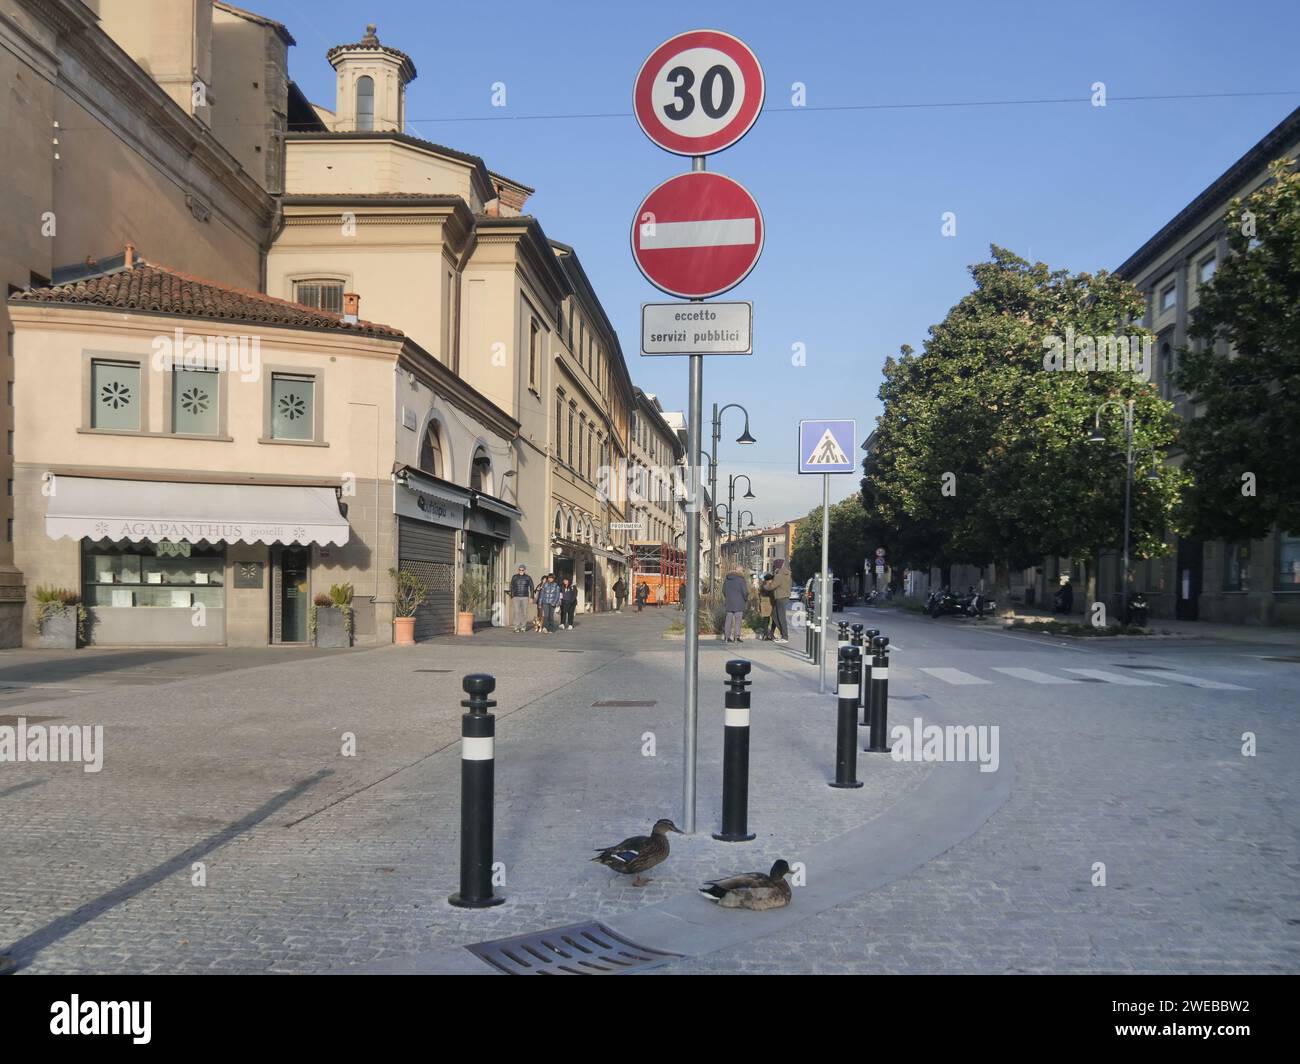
<point x="1249" y="430"/>
<point x="848" y="546"/>
<point x="981" y="454"/>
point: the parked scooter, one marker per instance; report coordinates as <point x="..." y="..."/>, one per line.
<point x="1135" y="614"/>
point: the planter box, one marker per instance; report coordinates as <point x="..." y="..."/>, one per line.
<point x="59" y="632"/>
<point x="331" y="628"/>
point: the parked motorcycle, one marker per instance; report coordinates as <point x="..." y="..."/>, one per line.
<point x="1135" y="614"/>
<point x="971" y="604"/>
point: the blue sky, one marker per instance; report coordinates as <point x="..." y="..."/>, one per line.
<point x="854" y="263"/>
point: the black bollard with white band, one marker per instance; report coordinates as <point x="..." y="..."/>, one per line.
<point x="879" y="741"/>
<point x="477" y="781"/>
<point x="735" y="756"/>
<point x="864" y="686"/>
<point x="846" y="733"/>
<point x="842" y="640"/>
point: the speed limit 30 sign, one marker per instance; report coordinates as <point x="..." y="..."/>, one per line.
<point x="699" y="92"/>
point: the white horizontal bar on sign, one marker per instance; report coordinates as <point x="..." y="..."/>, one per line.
<point x="715" y="232"/>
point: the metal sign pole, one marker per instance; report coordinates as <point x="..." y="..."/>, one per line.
<point x="690" y="724"/>
<point x="826" y="575"/>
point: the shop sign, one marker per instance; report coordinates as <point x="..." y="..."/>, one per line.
<point x="166" y="548"/>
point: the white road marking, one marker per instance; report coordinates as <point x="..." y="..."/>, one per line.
<point x="714" y="232"/>
<point x="1196" y="681"/>
<point x="1114" y="677"/>
<point x="954" y="676"/>
<point x="1032" y="675"/>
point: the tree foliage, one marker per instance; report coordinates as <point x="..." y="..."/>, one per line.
<point x="1250" y="421"/>
<point x="981" y="452"/>
<point x="848" y="547"/>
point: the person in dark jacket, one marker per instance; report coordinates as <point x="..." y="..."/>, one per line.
<point x="642" y="595"/>
<point x="549" y="597"/>
<point x="620" y="594"/>
<point x="568" y="603"/>
<point x="735" y="596"/>
<point x="521" y="590"/>
<point x="681" y="595"/>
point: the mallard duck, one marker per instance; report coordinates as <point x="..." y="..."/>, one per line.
<point x="633" y="856"/>
<point x="753" y="890"/>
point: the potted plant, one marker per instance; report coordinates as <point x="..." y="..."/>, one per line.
<point x="330" y="618"/>
<point x="409" y="594"/>
<point x="60" y="618"/>
<point x="473" y="597"/>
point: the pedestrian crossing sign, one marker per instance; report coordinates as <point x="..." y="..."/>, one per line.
<point x="827" y="447"/>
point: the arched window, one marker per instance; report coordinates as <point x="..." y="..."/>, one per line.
<point x="480" y="472"/>
<point x="365" y="104"/>
<point x="569" y="528"/>
<point x="431" y="450"/>
<point x="559" y="523"/>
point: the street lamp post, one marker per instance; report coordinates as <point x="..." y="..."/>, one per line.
<point x="1097" y="437"/>
<point x="731" y="497"/>
<point x="743" y="438"/>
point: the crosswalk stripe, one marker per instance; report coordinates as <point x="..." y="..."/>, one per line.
<point x="1196" y="681"/>
<point x="1032" y="675"/>
<point x="954" y="676"/>
<point x="1114" y="677"/>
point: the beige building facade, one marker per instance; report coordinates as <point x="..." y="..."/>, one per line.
<point x="219" y="472"/>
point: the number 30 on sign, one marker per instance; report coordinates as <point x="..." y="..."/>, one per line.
<point x="699" y="92"/>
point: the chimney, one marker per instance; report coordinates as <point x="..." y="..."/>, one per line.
<point x="128" y="258"/>
<point x="351" y="307"/>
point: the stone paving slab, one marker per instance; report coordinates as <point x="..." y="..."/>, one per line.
<point x="317" y="861"/>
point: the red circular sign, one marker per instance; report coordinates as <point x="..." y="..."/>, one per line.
<point x="699" y="92"/>
<point x="697" y="235"/>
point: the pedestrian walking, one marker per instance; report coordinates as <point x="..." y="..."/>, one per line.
<point x="735" y="595"/>
<point x="765" y="607"/>
<point x="537" y="602"/>
<point x="550" y="599"/>
<point x="642" y="594"/>
<point x="620" y="594"/>
<point x="568" y="603"/>
<point x="681" y="595"/>
<point x="521" y="592"/>
<point x="780" y="596"/>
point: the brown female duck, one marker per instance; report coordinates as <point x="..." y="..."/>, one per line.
<point x="633" y="856"/>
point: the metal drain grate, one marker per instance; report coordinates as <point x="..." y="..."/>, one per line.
<point x="1280" y="659"/>
<point x="579" y="949"/>
<point x="1159" y="668"/>
<point x="570" y="651"/>
<point x="433" y="670"/>
<point x="622" y="705"/>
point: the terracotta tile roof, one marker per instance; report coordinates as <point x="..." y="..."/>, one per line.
<point x="153" y="290"/>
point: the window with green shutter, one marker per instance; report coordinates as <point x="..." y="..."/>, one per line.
<point x="196" y="396"/>
<point x="293" y="407"/>
<point x="115" y="395"/>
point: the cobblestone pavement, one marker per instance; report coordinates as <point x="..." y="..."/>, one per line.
<point x="316" y="861"/>
<point x="1199" y="842"/>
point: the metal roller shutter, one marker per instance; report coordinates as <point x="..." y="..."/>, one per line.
<point x="429" y="551"/>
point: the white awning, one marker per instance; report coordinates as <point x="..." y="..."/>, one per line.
<point x="156" y="510"/>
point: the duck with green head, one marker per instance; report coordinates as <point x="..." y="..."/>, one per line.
<point x="633" y="856"/>
<point x="753" y="890"/>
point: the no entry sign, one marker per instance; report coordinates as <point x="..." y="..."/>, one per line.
<point x="698" y="93"/>
<point x="697" y="235"/>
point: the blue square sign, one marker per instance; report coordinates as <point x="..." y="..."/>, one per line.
<point x="827" y="447"/>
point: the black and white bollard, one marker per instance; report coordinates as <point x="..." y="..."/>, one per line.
<point x="841" y="641"/>
<point x="735" y="756"/>
<point x="807" y="634"/>
<point x="477" y="779"/>
<point x="864" y="685"/>
<point x="878" y="740"/>
<point x="817" y="644"/>
<point x="846" y="733"/>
